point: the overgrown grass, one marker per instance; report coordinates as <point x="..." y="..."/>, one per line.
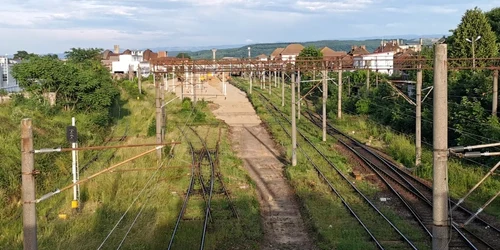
<point x="152" y="198"/>
<point x="335" y="227"/>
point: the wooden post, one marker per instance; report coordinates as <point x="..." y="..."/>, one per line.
<point x="282" y="89"/>
<point x="28" y="186"/>
<point x="298" y="95"/>
<point x="339" y="104"/>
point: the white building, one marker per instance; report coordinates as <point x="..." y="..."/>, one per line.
<point x="7" y="82"/>
<point x="291" y="52"/>
<point x="133" y="61"/>
<point x="382" y="62"/>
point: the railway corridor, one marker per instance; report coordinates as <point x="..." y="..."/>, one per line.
<point x="282" y="222"/>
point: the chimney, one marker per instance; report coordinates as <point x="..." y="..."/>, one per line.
<point x="117" y="49"/>
<point x="353" y="47"/>
<point x="421" y="41"/>
<point x="397" y="41"/>
<point x="363" y="46"/>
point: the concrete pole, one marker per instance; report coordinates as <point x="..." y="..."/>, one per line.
<point x="294" y="124"/>
<point x="193" y="85"/>
<point x="440" y="226"/>
<point x="282" y="89"/>
<point x="28" y="186"/>
<point x="139" y="78"/>
<point x="182" y="83"/>
<point x="158" y="116"/>
<point x="298" y="95"/>
<point x="271" y="82"/>
<point x="275" y="79"/>
<point x="325" y="97"/>
<point x="418" y="120"/>
<point x="251" y="79"/>
<point x="367" y="81"/>
<point x="495" y="93"/>
<point x="339" y="104"/>
<point x="173" y="79"/>
<point x="264" y="79"/>
<point x="162" y="101"/>
<point x="224" y="83"/>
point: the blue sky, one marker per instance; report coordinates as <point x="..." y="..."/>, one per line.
<point x="45" y="26"/>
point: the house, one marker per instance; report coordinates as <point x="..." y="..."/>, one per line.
<point x="389" y="46"/>
<point x="416" y="47"/>
<point x="328" y="53"/>
<point x="291" y="52"/>
<point x="7" y="82"/>
<point x="382" y="62"/>
<point x="262" y="57"/>
<point x="122" y="62"/>
<point x="276" y="54"/>
<point x="358" y="50"/>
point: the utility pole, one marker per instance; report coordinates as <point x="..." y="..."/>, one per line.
<point x="275" y="79"/>
<point x="298" y="95"/>
<point x="294" y="124"/>
<point x="193" y="85"/>
<point x="339" y="105"/>
<point x="251" y="75"/>
<point x="495" y="93"/>
<point x="74" y="170"/>
<point x="440" y="228"/>
<point x="158" y="116"/>
<point x="282" y="89"/>
<point x="325" y="97"/>
<point x="271" y="81"/>
<point x="28" y="186"/>
<point x="139" y="78"/>
<point x="162" y="101"/>
<point x="418" y="120"/>
<point x="367" y="81"/>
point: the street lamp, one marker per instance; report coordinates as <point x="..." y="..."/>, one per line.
<point x="473" y="41"/>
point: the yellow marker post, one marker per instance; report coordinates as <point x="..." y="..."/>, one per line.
<point x="74" y="204"/>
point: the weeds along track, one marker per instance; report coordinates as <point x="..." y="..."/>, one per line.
<point x="416" y="196"/>
<point x="204" y="178"/>
<point x="380" y="229"/>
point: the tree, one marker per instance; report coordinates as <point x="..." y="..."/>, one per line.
<point x="311" y="52"/>
<point x="79" y="55"/>
<point x="23" y="55"/>
<point x="183" y="55"/>
<point x="474" y="24"/>
<point x="494" y="20"/>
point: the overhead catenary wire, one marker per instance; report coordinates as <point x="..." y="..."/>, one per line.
<point x="138" y="196"/>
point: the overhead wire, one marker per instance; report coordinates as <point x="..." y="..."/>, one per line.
<point x="137" y="197"/>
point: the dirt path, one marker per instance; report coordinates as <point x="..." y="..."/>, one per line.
<point x="282" y="222"/>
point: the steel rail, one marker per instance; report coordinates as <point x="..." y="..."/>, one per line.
<point x="212" y="178"/>
<point x="347" y="180"/>
<point x="188" y="192"/>
<point x="396" y="170"/>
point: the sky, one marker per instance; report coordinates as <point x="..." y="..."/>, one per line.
<point x="54" y="26"/>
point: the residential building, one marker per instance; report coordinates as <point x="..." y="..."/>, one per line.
<point x="291" y="52"/>
<point x="380" y="62"/>
<point x="358" y="50"/>
<point x="328" y="53"/>
<point x="276" y="54"/>
<point x="7" y="82"/>
<point x="122" y="62"/>
<point x="262" y="57"/>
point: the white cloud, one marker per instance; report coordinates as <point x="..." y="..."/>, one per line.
<point x="334" y="6"/>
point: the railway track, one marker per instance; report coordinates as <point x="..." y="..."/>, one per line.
<point x="417" y="196"/>
<point x="400" y="242"/>
<point x="201" y="159"/>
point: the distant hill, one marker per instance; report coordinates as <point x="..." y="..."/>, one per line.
<point x="268" y="48"/>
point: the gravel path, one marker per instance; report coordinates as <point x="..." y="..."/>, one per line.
<point x="281" y="219"/>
